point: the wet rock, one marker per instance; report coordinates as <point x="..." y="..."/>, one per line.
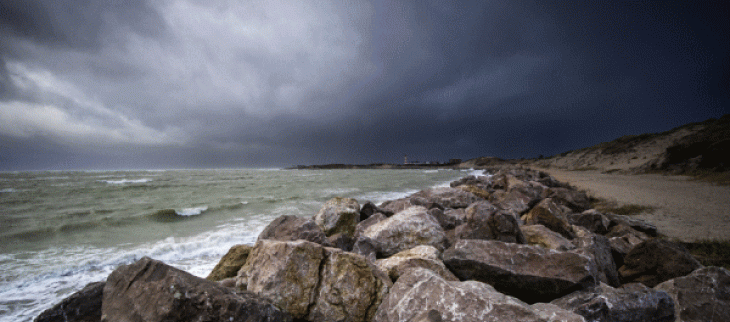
<point x="423" y="256"/>
<point x="82" y="306"/>
<point x="629" y="303"/>
<point x="539" y="235"/>
<point x="448" y="197"/>
<point x="703" y="295"/>
<point x="575" y="200"/>
<point x="338" y="215"/>
<point x="598" y="248"/>
<point x="405" y="230"/>
<point x="350" y="289"/>
<point x="420" y="292"/>
<point x="290" y="228"/>
<point x="592" y="220"/>
<point x="231" y="262"/>
<point x="532" y="274"/>
<point x="149" y="290"/>
<point x="551" y="215"/>
<point x="285" y="272"/>
<point x="655" y="261"/>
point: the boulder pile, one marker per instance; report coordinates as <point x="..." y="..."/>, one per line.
<point x="516" y="245"/>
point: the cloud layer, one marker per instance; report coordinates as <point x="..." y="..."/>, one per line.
<point x="189" y="83"/>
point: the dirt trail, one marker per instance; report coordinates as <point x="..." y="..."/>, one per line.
<point x="683" y="208"/>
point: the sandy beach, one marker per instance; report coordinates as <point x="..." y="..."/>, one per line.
<point x="683" y="208"/>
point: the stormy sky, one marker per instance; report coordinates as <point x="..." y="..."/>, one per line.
<point x="106" y="84"/>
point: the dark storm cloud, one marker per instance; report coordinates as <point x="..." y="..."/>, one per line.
<point x="187" y="83"/>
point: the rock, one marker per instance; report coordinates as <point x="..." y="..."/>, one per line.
<point x="655" y="261"/>
<point x="231" y="262"/>
<point x="485" y="221"/>
<point x="405" y="230"/>
<point x="396" y="206"/>
<point x="623" y="239"/>
<point x="449" y="218"/>
<point x="368" y="209"/>
<point x="149" y="290"/>
<point x="290" y="228"/>
<point x="629" y="303"/>
<point x="313" y="282"/>
<point x="550" y="215"/>
<point x="338" y="215"/>
<point x="637" y="224"/>
<point x="480" y="182"/>
<point x="82" y="306"/>
<point x="477" y="191"/>
<point x="366" y="247"/>
<point x="590" y="219"/>
<point x="420" y="292"/>
<point x="598" y="248"/>
<point x="532" y="274"/>
<point x="447" y="197"/>
<point x="513" y="199"/>
<point x="539" y="235"/>
<point x="423" y="256"/>
<point x="575" y="200"/>
<point x="623" y="229"/>
<point x="361" y="226"/>
<point x="285" y="272"/>
<point x="341" y="241"/>
<point x="703" y="295"/>
<point x="351" y="289"/>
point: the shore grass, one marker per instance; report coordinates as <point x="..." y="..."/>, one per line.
<point x="718" y="178"/>
<point x="604" y="205"/>
<point x="711" y="252"/>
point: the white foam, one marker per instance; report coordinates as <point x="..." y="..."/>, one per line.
<point x="126" y="181"/>
<point x="8" y="190"/>
<point x="430" y="171"/>
<point x="192" y="211"/>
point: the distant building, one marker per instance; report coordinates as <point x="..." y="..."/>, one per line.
<point x="454" y="161"/>
<point x="405" y="159"/>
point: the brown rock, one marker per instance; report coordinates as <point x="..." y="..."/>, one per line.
<point x="575" y="200"/>
<point x="82" y="306"/>
<point x="231" y="262"/>
<point x="485" y="221"/>
<point x="539" y="235"/>
<point x="629" y="303"/>
<point x="338" y="215"/>
<point x="290" y="228"/>
<point x="703" y="295"/>
<point x="637" y="224"/>
<point x="550" y="215"/>
<point x="655" y="261"/>
<point x="590" y="219"/>
<point x="598" y="248"/>
<point x="149" y="290"/>
<point x="532" y="274"/>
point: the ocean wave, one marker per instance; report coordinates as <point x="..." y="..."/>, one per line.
<point x="8" y="190"/>
<point x="127" y="181"/>
<point x="192" y="211"/>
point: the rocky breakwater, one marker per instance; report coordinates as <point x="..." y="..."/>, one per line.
<point x="513" y="246"/>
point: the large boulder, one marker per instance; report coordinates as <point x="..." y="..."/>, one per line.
<point x="447" y="197"/>
<point x="630" y="303"/>
<point x="338" y="215"/>
<point x="372" y="220"/>
<point x="530" y="273"/>
<point x="635" y="223"/>
<point x="703" y="295"/>
<point x="423" y="256"/>
<point x="82" y="306"/>
<point x="513" y="199"/>
<point x="449" y="218"/>
<point x="485" y="221"/>
<point x="285" y="272"/>
<point x="396" y="206"/>
<point x="313" y="282"/>
<point x="539" y="235"/>
<point x="655" y="261"/>
<point x="404" y="230"/>
<point x="592" y="220"/>
<point x="551" y="215"/>
<point x="351" y="289"/>
<point x="231" y="262"/>
<point x="598" y="248"/>
<point x="422" y="295"/>
<point x="623" y="239"/>
<point x="290" y="228"/>
<point x="149" y="290"/>
<point x="575" y="200"/>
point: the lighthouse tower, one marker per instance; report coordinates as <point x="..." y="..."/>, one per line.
<point x="405" y="159"/>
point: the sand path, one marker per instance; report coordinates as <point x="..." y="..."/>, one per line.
<point x="683" y="208"/>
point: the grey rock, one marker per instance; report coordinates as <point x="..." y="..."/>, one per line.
<point x="447" y="197"/>
<point x="149" y="290"/>
<point x="290" y="228"/>
<point x="598" y="248"/>
<point x="82" y="306"/>
<point x="423" y="256"/>
<point x="575" y="200"/>
<point x="361" y="226"/>
<point x="590" y="219"/>
<point x="635" y="223"/>
<point x="655" y="261"/>
<point x="404" y="230"/>
<point x="703" y="295"/>
<point x="539" y="235"/>
<point x="231" y="262"/>
<point x="629" y="303"/>
<point x="485" y="221"/>
<point x="338" y="215"/>
<point x="530" y="273"/>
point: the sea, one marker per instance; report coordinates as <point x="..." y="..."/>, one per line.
<point x="60" y="230"/>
